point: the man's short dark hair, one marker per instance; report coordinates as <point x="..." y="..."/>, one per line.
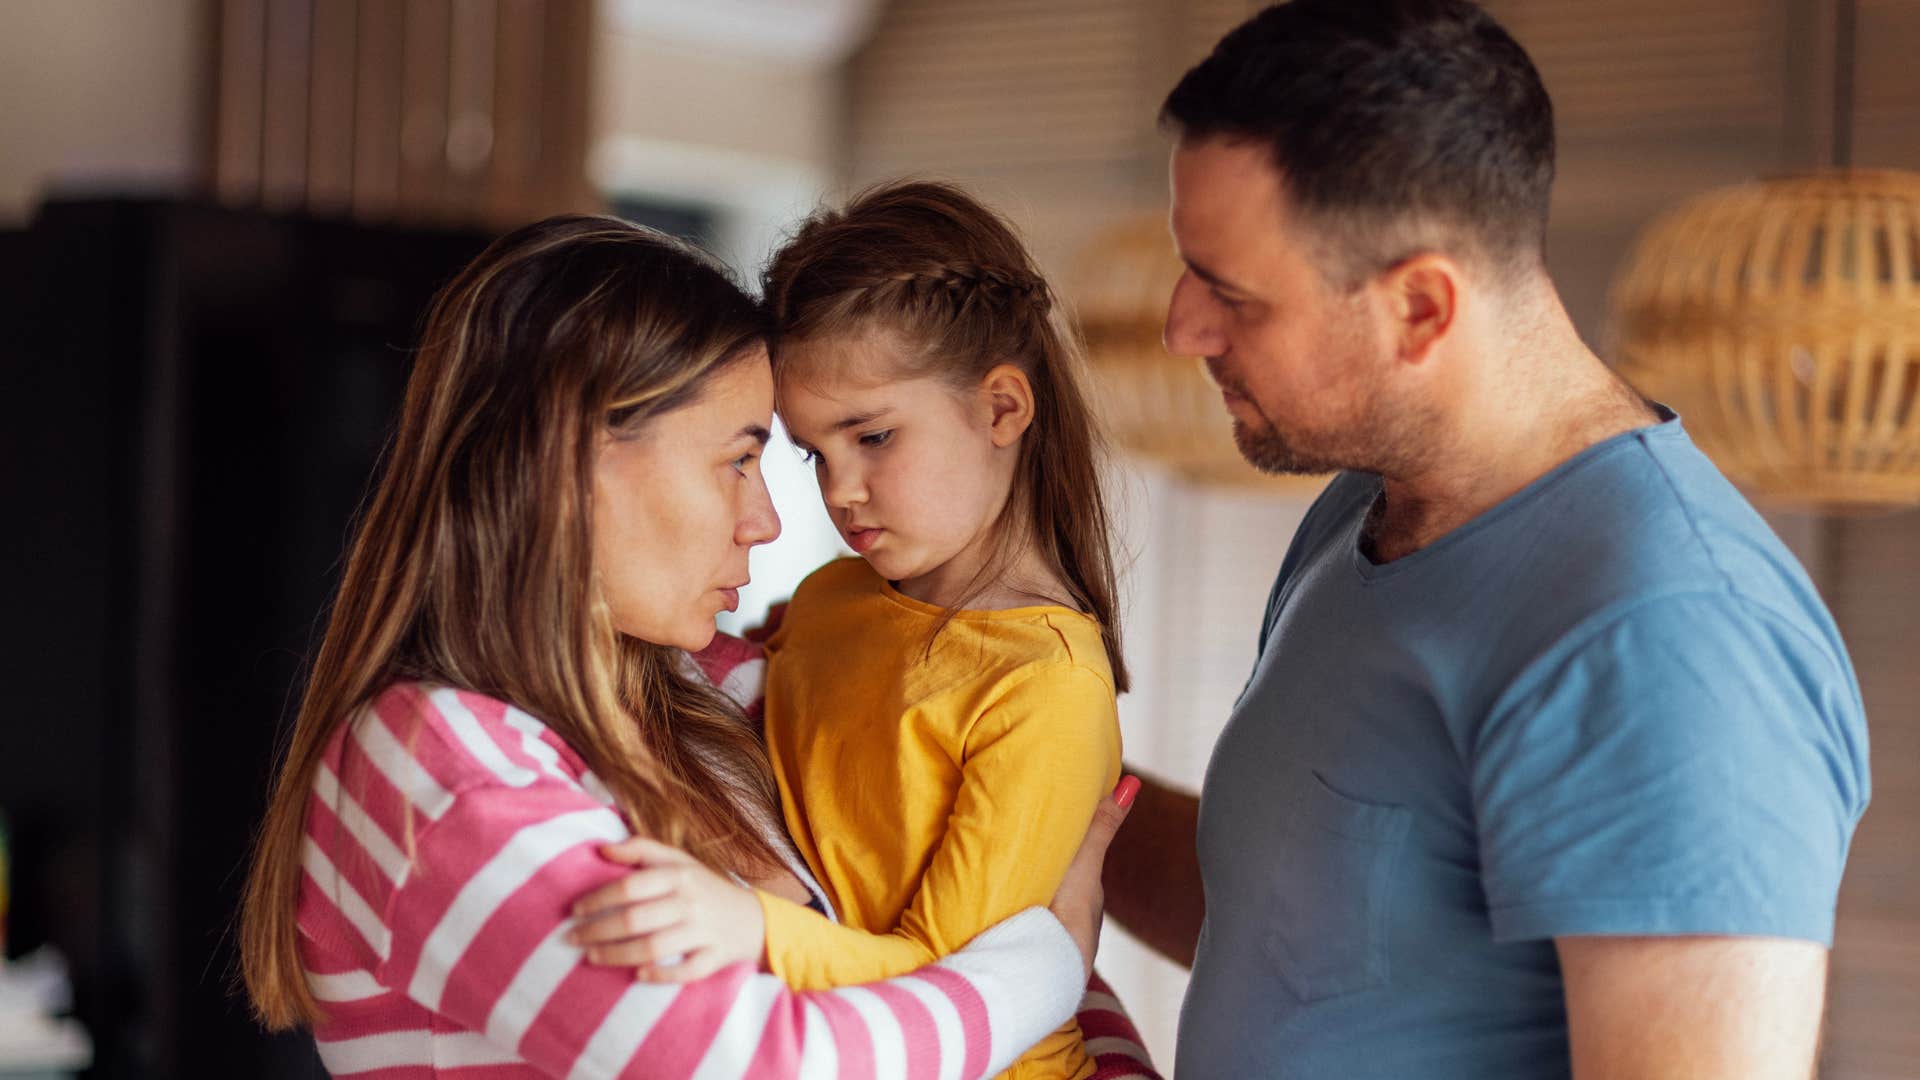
<point x="1397" y="125"/>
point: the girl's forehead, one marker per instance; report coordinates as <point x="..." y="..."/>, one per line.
<point x="828" y="391"/>
<point x="871" y="354"/>
<point x="815" y="407"/>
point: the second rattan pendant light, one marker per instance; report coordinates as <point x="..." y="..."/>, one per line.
<point x="1782" y="320"/>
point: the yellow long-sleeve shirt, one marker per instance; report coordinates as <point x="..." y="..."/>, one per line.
<point x="932" y="794"/>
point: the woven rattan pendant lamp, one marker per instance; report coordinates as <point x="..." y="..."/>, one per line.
<point x="1781" y="318"/>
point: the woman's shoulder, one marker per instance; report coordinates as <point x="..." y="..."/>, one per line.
<point x="436" y="741"/>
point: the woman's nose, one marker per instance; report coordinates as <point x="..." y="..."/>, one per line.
<point x="760" y="523"/>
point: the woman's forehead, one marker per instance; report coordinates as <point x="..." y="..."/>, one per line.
<point x="734" y="401"/>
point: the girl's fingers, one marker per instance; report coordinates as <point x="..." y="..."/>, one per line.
<point x="633" y="953"/>
<point x="632" y="921"/>
<point x="659" y="970"/>
<point x="641" y="950"/>
<point x="637" y="887"/>
<point x="647" y="952"/>
<point x="637" y="850"/>
<point x="677" y="940"/>
<point x="695" y="966"/>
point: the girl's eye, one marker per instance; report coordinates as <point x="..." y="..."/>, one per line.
<point x="876" y="438"/>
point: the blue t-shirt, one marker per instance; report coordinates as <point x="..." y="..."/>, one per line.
<point x="1612" y="704"/>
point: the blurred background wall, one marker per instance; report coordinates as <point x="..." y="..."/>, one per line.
<point x="221" y="219"/>
<point x="103" y="95"/>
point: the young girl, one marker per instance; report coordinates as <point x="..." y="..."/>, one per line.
<point x="940" y="712"/>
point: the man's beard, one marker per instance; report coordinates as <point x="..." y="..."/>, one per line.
<point x="1266" y="449"/>
<point x="1262" y="443"/>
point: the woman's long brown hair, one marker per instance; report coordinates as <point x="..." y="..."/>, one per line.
<point x="472" y="564"/>
<point x="932" y="265"/>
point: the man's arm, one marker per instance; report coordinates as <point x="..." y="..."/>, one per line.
<point x="1152" y="876"/>
<point x="1708" y="1007"/>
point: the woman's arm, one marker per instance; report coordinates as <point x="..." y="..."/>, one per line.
<point x="477" y="934"/>
<point x="1112" y="1041"/>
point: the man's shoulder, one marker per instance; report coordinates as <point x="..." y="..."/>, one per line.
<point x="1653" y="517"/>
<point x="1632" y="542"/>
<point x="1649" y="555"/>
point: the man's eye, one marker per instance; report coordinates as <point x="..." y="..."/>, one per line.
<point x="808" y="455"/>
<point x="876" y="438"/>
<point x="741" y="463"/>
<point x="1225" y="300"/>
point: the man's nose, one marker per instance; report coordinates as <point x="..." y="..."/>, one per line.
<point x="1193" y="323"/>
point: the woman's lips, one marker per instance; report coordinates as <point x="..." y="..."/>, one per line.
<point x="860" y="540"/>
<point x="732" y="597"/>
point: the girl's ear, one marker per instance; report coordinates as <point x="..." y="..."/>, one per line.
<point x="1010" y="396"/>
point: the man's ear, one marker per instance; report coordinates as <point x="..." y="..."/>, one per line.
<point x="1423" y="300"/>
<point x="1009" y="395"/>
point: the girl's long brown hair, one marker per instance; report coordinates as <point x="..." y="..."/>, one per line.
<point x="932" y="265"/>
<point x="472" y="564"/>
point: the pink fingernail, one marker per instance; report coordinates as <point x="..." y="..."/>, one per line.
<point x="1128" y="787"/>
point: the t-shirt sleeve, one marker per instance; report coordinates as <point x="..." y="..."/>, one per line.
<point x="1694" y="765"/>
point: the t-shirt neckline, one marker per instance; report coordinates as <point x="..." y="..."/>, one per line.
<point x="921" y="607"/>
<point x="1373" y="572"/>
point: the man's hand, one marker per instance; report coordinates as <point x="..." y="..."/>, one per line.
<point x="1153" y="872"/>
<point x="1697" y="1007"/>
<point x="673" y="920"/>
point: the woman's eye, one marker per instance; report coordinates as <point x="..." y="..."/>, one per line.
<point x="741" y="463"/>
<point x="808" y="456"/>
<point x="876" y="438"/>
<point x="1225" y="301"/>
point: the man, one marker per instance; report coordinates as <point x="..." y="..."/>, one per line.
<point x="1552" y="755"/>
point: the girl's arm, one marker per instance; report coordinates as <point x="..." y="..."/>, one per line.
<point x="1035" y="767"/>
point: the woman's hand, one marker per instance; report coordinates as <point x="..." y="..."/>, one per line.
<point x="1078" y="901"/>
<point x="673" y="920"/>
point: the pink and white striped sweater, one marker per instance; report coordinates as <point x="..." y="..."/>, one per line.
<point x="452" y="963"/>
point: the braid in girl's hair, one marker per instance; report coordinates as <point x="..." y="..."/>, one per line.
<point x="928" y="262"/>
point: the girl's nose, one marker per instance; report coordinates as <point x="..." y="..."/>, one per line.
<point x="842" y="488"/>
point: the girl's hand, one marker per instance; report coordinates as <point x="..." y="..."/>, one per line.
<point x="673" y="920"/>
<point x="1079" y="900"/>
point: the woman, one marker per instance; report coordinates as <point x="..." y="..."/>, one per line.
<point x="503" y="688"/>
